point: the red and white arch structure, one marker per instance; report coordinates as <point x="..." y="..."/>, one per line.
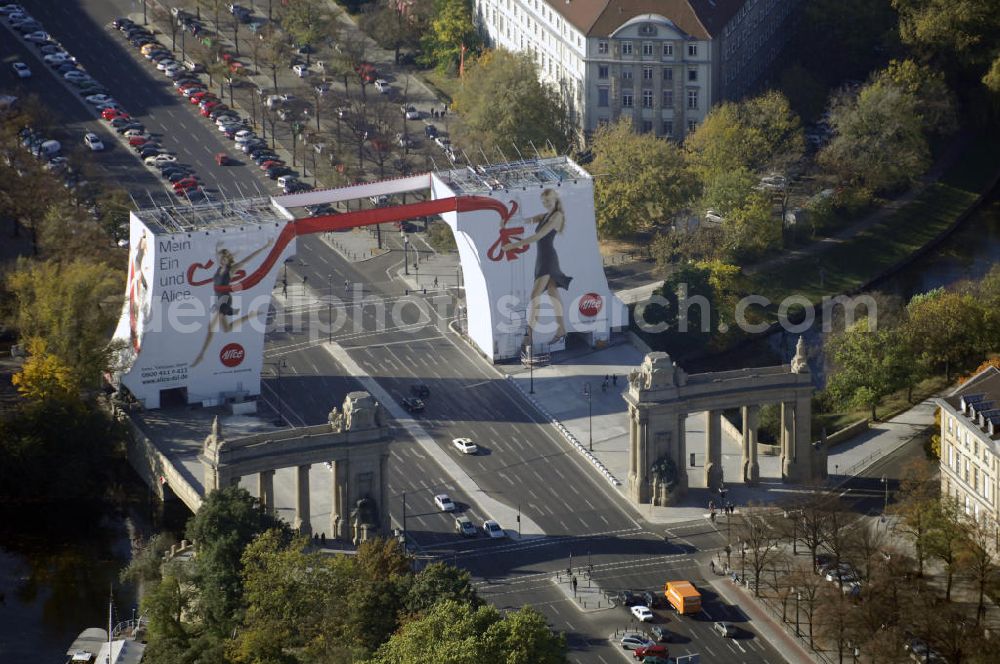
<point x="201" y="278"/>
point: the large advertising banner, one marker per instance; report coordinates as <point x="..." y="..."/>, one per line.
<point x="187" y="320"/>
<point x="534" y="272"/>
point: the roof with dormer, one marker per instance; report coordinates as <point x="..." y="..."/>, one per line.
<point x="700" y="19"/>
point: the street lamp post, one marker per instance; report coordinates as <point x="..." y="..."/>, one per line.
<point x="531" y="363"/>
<point x="590" y="414"/>
<point x="519" y="521"/>
<point x="406" y="254"/>
<point x="329" y="311"/>
<point x="885" y="504"/>
<point x="743" y="562"/>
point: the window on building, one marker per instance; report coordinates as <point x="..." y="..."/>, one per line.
<point x="975" y="446"/>
<point x="602" y="71"/>
<point x="602" y="47"/>
<point x="647" y="99"/>
<point x="647" y="126"/>
<point x="647" y="73"/>
<point x="668" y="74"/>
<point x="693" y="50"/>
<point x="627" y="74"/>
<point x="647" y="48"/>
<point x="602" y="97"/>
<point x="692" y="74"/>
<point x="693" y="99"/>
<point x="692" y="125"/>
<point x="627" y="99"/>
<point x="950" y="420"/>
<point x="668" y="127"/>
<point x="668" y="50"/>
<point x="668" y="99"/>
<point x="602" y="122"/>
<point x="626" y="48"/>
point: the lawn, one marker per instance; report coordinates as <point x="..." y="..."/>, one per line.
<point x="849" y="265"/>
<point x="891" y="406"/>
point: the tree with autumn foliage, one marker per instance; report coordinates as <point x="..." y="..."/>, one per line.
<point x="451" y="29"/>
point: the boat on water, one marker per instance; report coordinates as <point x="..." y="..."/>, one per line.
<point x="122" y="644"/>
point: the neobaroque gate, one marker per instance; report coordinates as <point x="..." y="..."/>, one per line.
<point x="661" y="396"/>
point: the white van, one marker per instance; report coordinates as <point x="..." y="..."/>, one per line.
<point x="47" y="149"/>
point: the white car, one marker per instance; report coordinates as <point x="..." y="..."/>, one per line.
<point x="465" y="445"/>
<point x="713" y="217"/>
<point x="22" y="70"/>
<point x="412" y="114"/>
<point x="39" y="36"/>
<point x="159" y="159"/>
<point x="493" y="529"/>
<point x="642" y="613"/>
<point x="56" y="58"/>
<point x="633" y="641"/>
<point x="98" y="99"/>
<point x="166" y="62"/>
<point x="442" y="142"/>
<point x="12" y="9"/>
<point x="444" y="502"/>
<point x="301" y="71"/>
<point x="286" y="180"/>
<point x="93" y="141"/>
<point x="75" y="74"/>
<point x="244" y="135"/>
<point x="382" y="85"/>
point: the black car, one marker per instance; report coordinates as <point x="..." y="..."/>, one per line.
<point x="653" y="600"/>
<point x="430" y="131"/>
<point x="131" y="125"/>
<point x="276" y="172"/>
<point x="260" y="156"/>
<point x="627" y="598"/>
<point x="661" y="633"/>
<point x="122" y="23"/>
<point x="297" y="187"/>
<point x="420" y="390"/>
<point x="413" y="405"/>
<point x="182" y="172"/>
<point x="177" y="176"/>
<point x="322" y="208"/>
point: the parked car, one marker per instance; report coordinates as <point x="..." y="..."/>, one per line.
<point x="657" y="650"/>
<point x="661" y="633"/>
<point x="21" y="70"/>
<point x="634" y="640"/>
<point x="300" y="70"/>
<point x="465" y="445"/>
<point x="653" y="600"/>
<point x="382" y="85"/>
<point x="444" y="502"/>
<point x="493" y="529"/>
<point x="628" y="599"/>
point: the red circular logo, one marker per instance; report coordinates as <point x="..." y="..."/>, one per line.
<point x="590" y="304"/>
<point x="232" y="354"/>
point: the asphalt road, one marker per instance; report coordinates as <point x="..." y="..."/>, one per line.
<point x="523" y="463"/>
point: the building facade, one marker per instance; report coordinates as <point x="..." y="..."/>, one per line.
<point x="662" y="63"/>
<point x="970" y="446"/>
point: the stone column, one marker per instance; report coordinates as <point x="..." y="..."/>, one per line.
<point x="265" y="490"/>
<point x="713" y="450"/>
<point x="303" y="522"/>
<point x="787" y="439"/>
<point x="638" y="479"/>
<point x="751" y="422"/>
<point x="682" y="460"/>
<point x="340" y="512"/>
<point x="802" y="445"/>
<point x="633" y="439"/>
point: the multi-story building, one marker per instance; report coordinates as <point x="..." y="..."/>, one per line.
<point x="970" y="445"/>
<point x="662" y="63"/>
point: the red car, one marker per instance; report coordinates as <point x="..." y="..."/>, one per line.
<point x="367" y="72"/>
<point x="222" y="159"/>
<point x="136" y="141"/>
<point x="268" y="164"/>
<point x="198" y="96"/>
<point x="206" y="109"/>
<point x="110" y="114"/>
<point x="657" y="650"/>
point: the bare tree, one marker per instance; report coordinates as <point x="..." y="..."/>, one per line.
<point x="916" y="507"/>
<point x="865" y="543"/>
<point x="759" y="542"/>
<point x="946" y="539"/>
<point x="834" y="617"/>
<point x="836" y="528"/>
<point x="812" y="524"/>
<point x="807" y="592"/>
<point x="979" y="560"/>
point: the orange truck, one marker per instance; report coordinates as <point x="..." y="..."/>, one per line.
<point x="683" y="596"/>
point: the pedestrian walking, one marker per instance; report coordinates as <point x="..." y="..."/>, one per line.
<point x="711" y="566"/>
<point x="284" y="287"/>
<point x="435" y="282"/>
<point x="347" y="285"/>
<point x="614" y="379"/>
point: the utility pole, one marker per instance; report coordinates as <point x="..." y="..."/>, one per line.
<point x="590" y="413"/>
<point x="329" y="312"/>
<point x="519" y="521"/>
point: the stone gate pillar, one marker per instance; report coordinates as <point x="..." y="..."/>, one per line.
<point x="265" y="490"/>
<point x="751" y="422"/>
<point x="713" y="450"/>
<point x="340" y="512"/>
<point x="681" y="460"/>
<point x="639" y="456"/>
<point x="303" y="521"/>
<point x="787" y="440"/>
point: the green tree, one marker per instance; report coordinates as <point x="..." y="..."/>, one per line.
<point x="227" y="521"/>
<point x="945" y="329"/>
<point x="750" y="226"/>
<point x="960" y="36"/>
<point x="642" y="179"/>
<point x="757" y="134"/>
<point x="307" y="22"/>
<point x="916" y="506"/>
<point x="867" y="365"/>
<point x="878" y="137"/>
<point x="935" y="101"/>
<point x="438" y="582"/>
<point x="456" y="633"/>
<point x="503" y="103"/>
<point x="396" y="26"/>
<point x="71" y="306"/>
<point x="450" y="29"/>
<point x="946" y="539"/>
